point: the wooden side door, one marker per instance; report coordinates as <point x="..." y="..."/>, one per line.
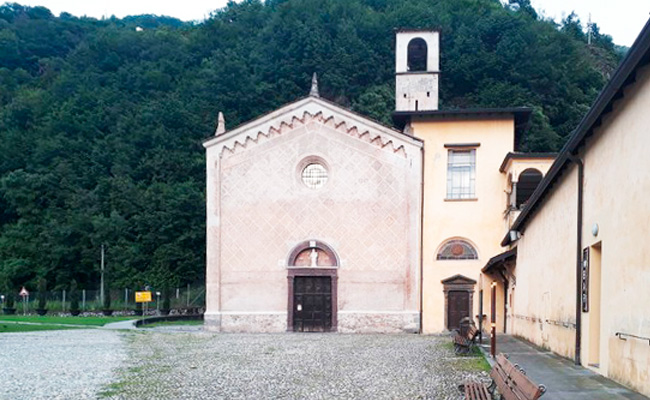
<point x="458" y="308"/>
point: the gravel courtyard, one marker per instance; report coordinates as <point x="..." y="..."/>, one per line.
<point x="199" y="365"/>
<point x="68" y="364"/>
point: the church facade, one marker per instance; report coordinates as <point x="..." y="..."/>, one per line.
<point x="313" y="224"/>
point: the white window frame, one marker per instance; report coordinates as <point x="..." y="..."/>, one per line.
<point x="461" y="174"/>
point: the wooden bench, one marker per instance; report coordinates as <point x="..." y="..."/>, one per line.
<point x="464" y="343"/>
<point x="509" y="380"/>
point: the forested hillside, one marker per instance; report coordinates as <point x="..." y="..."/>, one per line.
<point x="101" y="124"/>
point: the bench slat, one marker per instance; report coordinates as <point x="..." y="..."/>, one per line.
<point x="512" y="383"/>
<point x="522" y="385"/>
<point x="464" y="342"/>
<point x="476" y="391"/>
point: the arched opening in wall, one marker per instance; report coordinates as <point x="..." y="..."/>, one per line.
<point x="312" y="288"/>
<point x="457" y="249"/>
<point x="417" y="55"/>
<point x="528" y="181"/>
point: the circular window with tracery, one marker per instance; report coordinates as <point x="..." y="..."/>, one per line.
<point x="314" y="175"/>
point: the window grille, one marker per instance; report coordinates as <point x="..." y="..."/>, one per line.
<point x="314" y="175"/>
<point x="461" y="174"/>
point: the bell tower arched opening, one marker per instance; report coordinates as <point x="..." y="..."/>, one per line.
<point x="417" y="55"/>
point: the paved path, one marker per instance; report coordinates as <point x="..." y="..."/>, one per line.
<point x="128" y="324"/>
<point x="562" y="378"/>
<point x="67" y="364"/>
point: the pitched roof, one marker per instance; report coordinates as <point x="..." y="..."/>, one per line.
<point x="637" y="56"/>
<point x="499" y="258"/>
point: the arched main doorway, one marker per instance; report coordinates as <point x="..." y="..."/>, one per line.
<point x="312" y="282"/>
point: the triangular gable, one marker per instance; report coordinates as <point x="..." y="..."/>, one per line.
<point x="458" y="280"/>
<point x="305" y="111"/>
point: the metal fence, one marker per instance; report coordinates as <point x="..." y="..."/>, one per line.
<point x="190" y="296"/>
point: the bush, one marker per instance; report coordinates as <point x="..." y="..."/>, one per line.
<point x="107" y="299"/>
<point x="74" y="298"/>
<point x="9" y="299"/>
<point x="166" y="304"/>
<point x="42" y="293"/>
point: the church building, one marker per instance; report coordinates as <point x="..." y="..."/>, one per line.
<point x="313" y="223"/>
<point x="319" y="219"/>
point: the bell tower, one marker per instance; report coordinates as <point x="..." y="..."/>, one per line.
<point x="417" y="66"/>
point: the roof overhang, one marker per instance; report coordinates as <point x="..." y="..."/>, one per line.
<point x="499" y="260"/>
<point x="525" y="156"/>
<point x="521" y="116"/>
<point x="416" y="30"/>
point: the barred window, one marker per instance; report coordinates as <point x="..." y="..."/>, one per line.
<point x="314" y="175"/>
<point x="461" y="174"/>
<point x="457" y="250"/>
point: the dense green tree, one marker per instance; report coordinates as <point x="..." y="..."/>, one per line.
<point x="101" y="123"/>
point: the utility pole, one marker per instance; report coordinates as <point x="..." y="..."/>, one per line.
<point x="101" y="284"/>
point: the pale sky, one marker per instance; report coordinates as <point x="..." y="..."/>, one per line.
<point x="622" y="19"/>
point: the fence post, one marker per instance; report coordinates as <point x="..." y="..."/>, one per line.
<point x="83" y="300"/>
<point x="188" y="295"/>
<point x="63" y="302"/>
<point x="126" y="299"/>
<point x="177" y="293"/>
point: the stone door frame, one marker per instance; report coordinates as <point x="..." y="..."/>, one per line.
<point x="311" y="272"/>
<point x="305" y="271"/>
<point x="458" y="283"/>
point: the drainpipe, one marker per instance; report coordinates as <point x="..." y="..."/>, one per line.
<point x="580" y="165"/>
<point x="422" y="242"/>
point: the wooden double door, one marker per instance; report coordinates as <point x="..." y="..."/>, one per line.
<point x="312" y="304"/>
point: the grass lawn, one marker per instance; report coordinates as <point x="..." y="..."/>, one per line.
<point x="171" y="323"/>
<point x="473" y="361"/>
<point x="51" y="322"/>
<point x="4" y="328"/>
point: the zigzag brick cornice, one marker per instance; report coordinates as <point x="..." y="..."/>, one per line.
<point x="294" y="122"/>
<point x="307" y="113"/>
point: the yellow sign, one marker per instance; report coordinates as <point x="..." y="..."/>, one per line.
<point x="142" y="297"/>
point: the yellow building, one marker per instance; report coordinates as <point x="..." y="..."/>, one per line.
<point x="469" y="170"/>
<point x="580" y="283"/>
